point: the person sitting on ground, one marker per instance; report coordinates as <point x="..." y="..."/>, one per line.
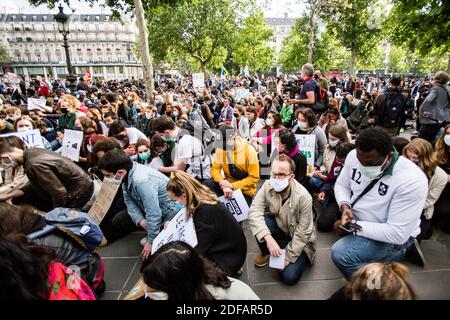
<point x="442" y="206"/>
<point x="235" y="166"/>
<point x="15" y="221"/>
<point x="220" y="237"/>
<point x="307" y="125"/>
<point x="382" y="193"/>
<point x="144" y="192"/>
<point x="24" y="123"/>
<point x="286" y="144"/>
<point x="387" y="281"/>
<point x="145" y="156"/>
<point x="329" y="211"/>
<point x="400" y="143"/>
<point x="288" y="224"/>
<point x="28" y="272"/>
<point x="177" y="272"/>
<point x="255" y="122"/>
<point x="127" y="137"/>
<point x="420" y="152"/>
<point x="55" y="181"/>
<point x="336" y="134"/>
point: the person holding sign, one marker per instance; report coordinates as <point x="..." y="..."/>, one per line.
<point x="220" y="237"/>
<point x="307" y="124"/>
<point x="239" y="164"/>
<point x="55" y="181"/>
<point x="144" y="192"/>
<point x="288" y="224"/>
<point x="177" y="272"/>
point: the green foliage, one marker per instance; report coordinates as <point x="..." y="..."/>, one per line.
<point x="421" y="25"/>
<point x="251" y="48"/>
<point x="4" y="56"/>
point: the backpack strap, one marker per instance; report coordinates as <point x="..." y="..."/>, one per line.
<point x="41" y="232"/>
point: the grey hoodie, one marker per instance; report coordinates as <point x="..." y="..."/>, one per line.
<point x="436" y="104"/>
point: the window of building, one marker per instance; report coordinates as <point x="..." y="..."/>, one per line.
<point x="34" y="18"/>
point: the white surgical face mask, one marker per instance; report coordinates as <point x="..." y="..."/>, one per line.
<point x="148" y="115"/>
<point x="89" y="148"/>
<point x="176" y="113"/>
<point x="302" y="125"/>
<point x="22" y="129"/>
<point x="269" y="122"/>
<point x="333" y="144"/>
<point x="372" y="172"/>
<point x="447" y="139"/>
<point x="279" y="184"/>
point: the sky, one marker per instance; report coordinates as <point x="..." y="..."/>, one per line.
<point x="272" y="8"/>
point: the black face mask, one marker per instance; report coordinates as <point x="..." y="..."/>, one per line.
<point x="236" y="115"/>
<point x="121" y="137"/>
<point x="65" y="110"/>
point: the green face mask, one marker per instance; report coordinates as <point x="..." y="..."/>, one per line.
<point x="144" y="156"/>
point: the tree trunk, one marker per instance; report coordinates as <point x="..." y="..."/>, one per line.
<point x="448" y="63"/>
<point x="145" y="53"/>
<point x="203" y="64"/>
<point x="311" y="35"/>
<point x="351" y="70"/>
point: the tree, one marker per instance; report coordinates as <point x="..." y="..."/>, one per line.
<point x="316" y="8"/>
<point x="421" y="25"/>
<point x="202" y="29"/>
<point x="356" y="27"/>
<point x="251" y="48"/>
<point x="136" y="7"/>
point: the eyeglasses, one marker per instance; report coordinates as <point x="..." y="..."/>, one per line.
<point x="280" y="175"/>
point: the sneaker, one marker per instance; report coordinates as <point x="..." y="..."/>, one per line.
<point x="143" y="241"/>
<point x="415" y="255"/>
<point x="261" y="261"/>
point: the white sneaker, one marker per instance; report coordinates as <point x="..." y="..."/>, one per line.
<point x="143" y="241"/>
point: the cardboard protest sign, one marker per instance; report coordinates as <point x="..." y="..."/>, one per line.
<point x="307" y="145"/>
<point x="198" y="80"/>
<point x="72" y="144"/>
<point x="236" y="205"/>
<point x="36" y="104"/>
<point x="138" y="290"/>
<point x="104" y="199"/>
<point x="31" y="138"/>
<point x="179" y="229"/>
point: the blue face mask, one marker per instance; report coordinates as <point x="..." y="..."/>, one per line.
<point x="179" y="206"/>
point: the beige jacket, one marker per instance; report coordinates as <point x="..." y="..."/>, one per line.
<point x="294" y="218"/>
<point x="437" y="184"/>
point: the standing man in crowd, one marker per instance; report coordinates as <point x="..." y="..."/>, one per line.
<point x="308" y="92"/>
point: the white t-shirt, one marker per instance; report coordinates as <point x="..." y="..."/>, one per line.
<point x="192" y="149"/>
<point x="134" y="134"/>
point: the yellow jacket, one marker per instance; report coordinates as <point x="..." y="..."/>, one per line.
<point x="245" y="159"/>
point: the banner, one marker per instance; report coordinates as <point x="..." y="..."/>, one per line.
<point x="307" y="145"/>
<point x="178" y="229"/>
<point x="236" y="205"/>
<point x="36" y="104"/>
<point x="31" y="138"/>
<point x="104" y="198"/>
<point x="198" y="80"/>
<point x="87" y="75"/>
<point x="72" y="144"/>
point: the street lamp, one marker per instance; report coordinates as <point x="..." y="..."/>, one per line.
<point x="63" y="27"/>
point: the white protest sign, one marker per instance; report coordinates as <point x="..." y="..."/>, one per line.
<point x="178" y="229"/>
<point x="198" y="80"/>
<point x="36" y="104"/>
<point x="243" y="93"/>
<point x="72" y="144"/>
<point x="307" y="145"/>
<point x="236" y="205"/>
<point x="31" y="138"/>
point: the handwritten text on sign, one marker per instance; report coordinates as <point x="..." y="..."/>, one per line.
<point x="179" y="229"/>
<point x="236" y="205"/>
<point x="307" y="145"/>
<point x="31" y="138"/>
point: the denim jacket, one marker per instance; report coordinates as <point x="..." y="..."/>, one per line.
<point x="146" y="197"/>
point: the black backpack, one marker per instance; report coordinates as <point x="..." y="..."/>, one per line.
<point x="393" y="111"/>
<point x="320" y="105"/>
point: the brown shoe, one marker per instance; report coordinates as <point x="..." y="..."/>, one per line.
<point x="261" y="261"/>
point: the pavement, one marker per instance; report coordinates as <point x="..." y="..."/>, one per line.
<point x="319" y="282"/>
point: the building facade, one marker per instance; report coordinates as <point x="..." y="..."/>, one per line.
<point x="281" y="28"/>
<point x="97" y="43"/>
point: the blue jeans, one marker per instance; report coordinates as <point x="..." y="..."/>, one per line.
<point x="293" y="271"/>
<point x="351" y="252"/>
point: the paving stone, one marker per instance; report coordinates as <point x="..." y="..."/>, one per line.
<point x="117" y="272"/>
<point x="127" y="246"/>
<point x="433" y="285"/>
<point x="111" y="295"/>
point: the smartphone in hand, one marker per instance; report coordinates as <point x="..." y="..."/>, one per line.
<point x="351" y="226"/>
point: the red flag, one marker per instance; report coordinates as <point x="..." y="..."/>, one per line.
<point x="87" y="75"/>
